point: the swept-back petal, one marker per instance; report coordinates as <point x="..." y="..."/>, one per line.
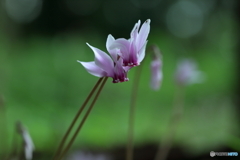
<point x="143" y="33"/>
<point x="141" y="53"/>
<point x="113" y="51"/>
<point x="123" y="45"/>
<point x="93" y="69"/>
<point x="102" y="60"/>
<point x="110" y="40"/>
<point x="135" y="29"/>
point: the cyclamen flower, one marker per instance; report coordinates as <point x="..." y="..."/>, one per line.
<point x="156" y="69"/>
<point x="187" y="73"/>
<point x="132" y="51"/>
<point x="105" y="66"/>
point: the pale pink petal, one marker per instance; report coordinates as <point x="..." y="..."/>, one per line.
<point x="156" y="74"/>
<point x="143" y="33"/>
<point x="141" y="53"/>
<point x="110" y="40"/>
<point x="113" y="51"/>
<point x="120" y="75"/>
<point x="123" y="45"/>
<point x="102" y="60"/>
<point x="93" y="69"/>
<point x="135" y="29"/>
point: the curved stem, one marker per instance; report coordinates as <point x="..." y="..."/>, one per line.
<point x="59" y="150"/>
<point x="83" y="120"/>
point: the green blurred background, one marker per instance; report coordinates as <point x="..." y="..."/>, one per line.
<point x="43" y="86"/>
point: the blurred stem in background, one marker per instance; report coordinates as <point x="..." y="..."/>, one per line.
<point x="60" y="148"/>
<point x="14" y="152"/>
<point x="83" y="120"/>
<point x="177" y="112"/>
<point x="3" y="128"/>
<point x="130" y="143"/>
<point x="237" y="98"/>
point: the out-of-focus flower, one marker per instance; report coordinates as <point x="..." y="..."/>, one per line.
<point x="105" y="66"/>
<point x="187" y="73"/>
<point x="87" y="156"/>
<point x="27" y="140"/>
<point x="132" y="51"/>
<point x="156" y="68"/>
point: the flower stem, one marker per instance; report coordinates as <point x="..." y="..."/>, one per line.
<point x="59" y="150"/>
<point x="83" y="120"/>
<point x="3" y="128"/>
<point x="130" y="144"/>
<point x="166" y="144"/>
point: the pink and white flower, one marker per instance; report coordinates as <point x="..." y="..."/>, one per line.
<point x="105" y="66"/>
<point x="132" y="51"/>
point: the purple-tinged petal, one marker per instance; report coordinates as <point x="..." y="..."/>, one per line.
<point x="132" y="60"/>
<point x="113" y="51"/>
<point x="123" y="45"/>
<point x="156" y="71"/>
<point x="110" y="40"/>
<point x="135" y="29"/>
<point x="143" y="33"/>
<point x="102" y="60"/>
<point x="120" y="75"/>
<point x="141" y="53"/>
<point x="93" y="69"/>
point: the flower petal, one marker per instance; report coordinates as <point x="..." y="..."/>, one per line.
<point x="141" y="53"/>
<point x="102" y="60"/>
<point x="123" y="45"/>
<point x="93" y="69"/>
<point x="113" y="51"/>
<point x="143" y="33"/>
<point x="135" y="29"/>
<point x="110" y="40"/>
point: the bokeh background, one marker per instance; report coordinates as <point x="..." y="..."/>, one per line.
<point x="42" y="85"/>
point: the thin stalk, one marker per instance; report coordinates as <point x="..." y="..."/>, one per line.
<point x="83" y="120"/>
<point x="59" y="150"/>
<point x="166" y="144"/>
<point x="14" y="150"/>
<point x="130" y="144"/>
<point x="3" y="128"/>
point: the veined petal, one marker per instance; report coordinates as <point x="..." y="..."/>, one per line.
<point x="114" y="54"/>
<point x="143" y="33"/>
<point x="120" y="75"/>
<point x="102" y="60"/>
<point x="93" y="69"/>
<point x="135" y="29"/>
<point x="123" y="45"/>
<point x="113" y="51"/>
<point x="141" y="53"/>
<point x="110" y="40"/>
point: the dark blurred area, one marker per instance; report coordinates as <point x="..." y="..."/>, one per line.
<point x="40" y="41"/>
